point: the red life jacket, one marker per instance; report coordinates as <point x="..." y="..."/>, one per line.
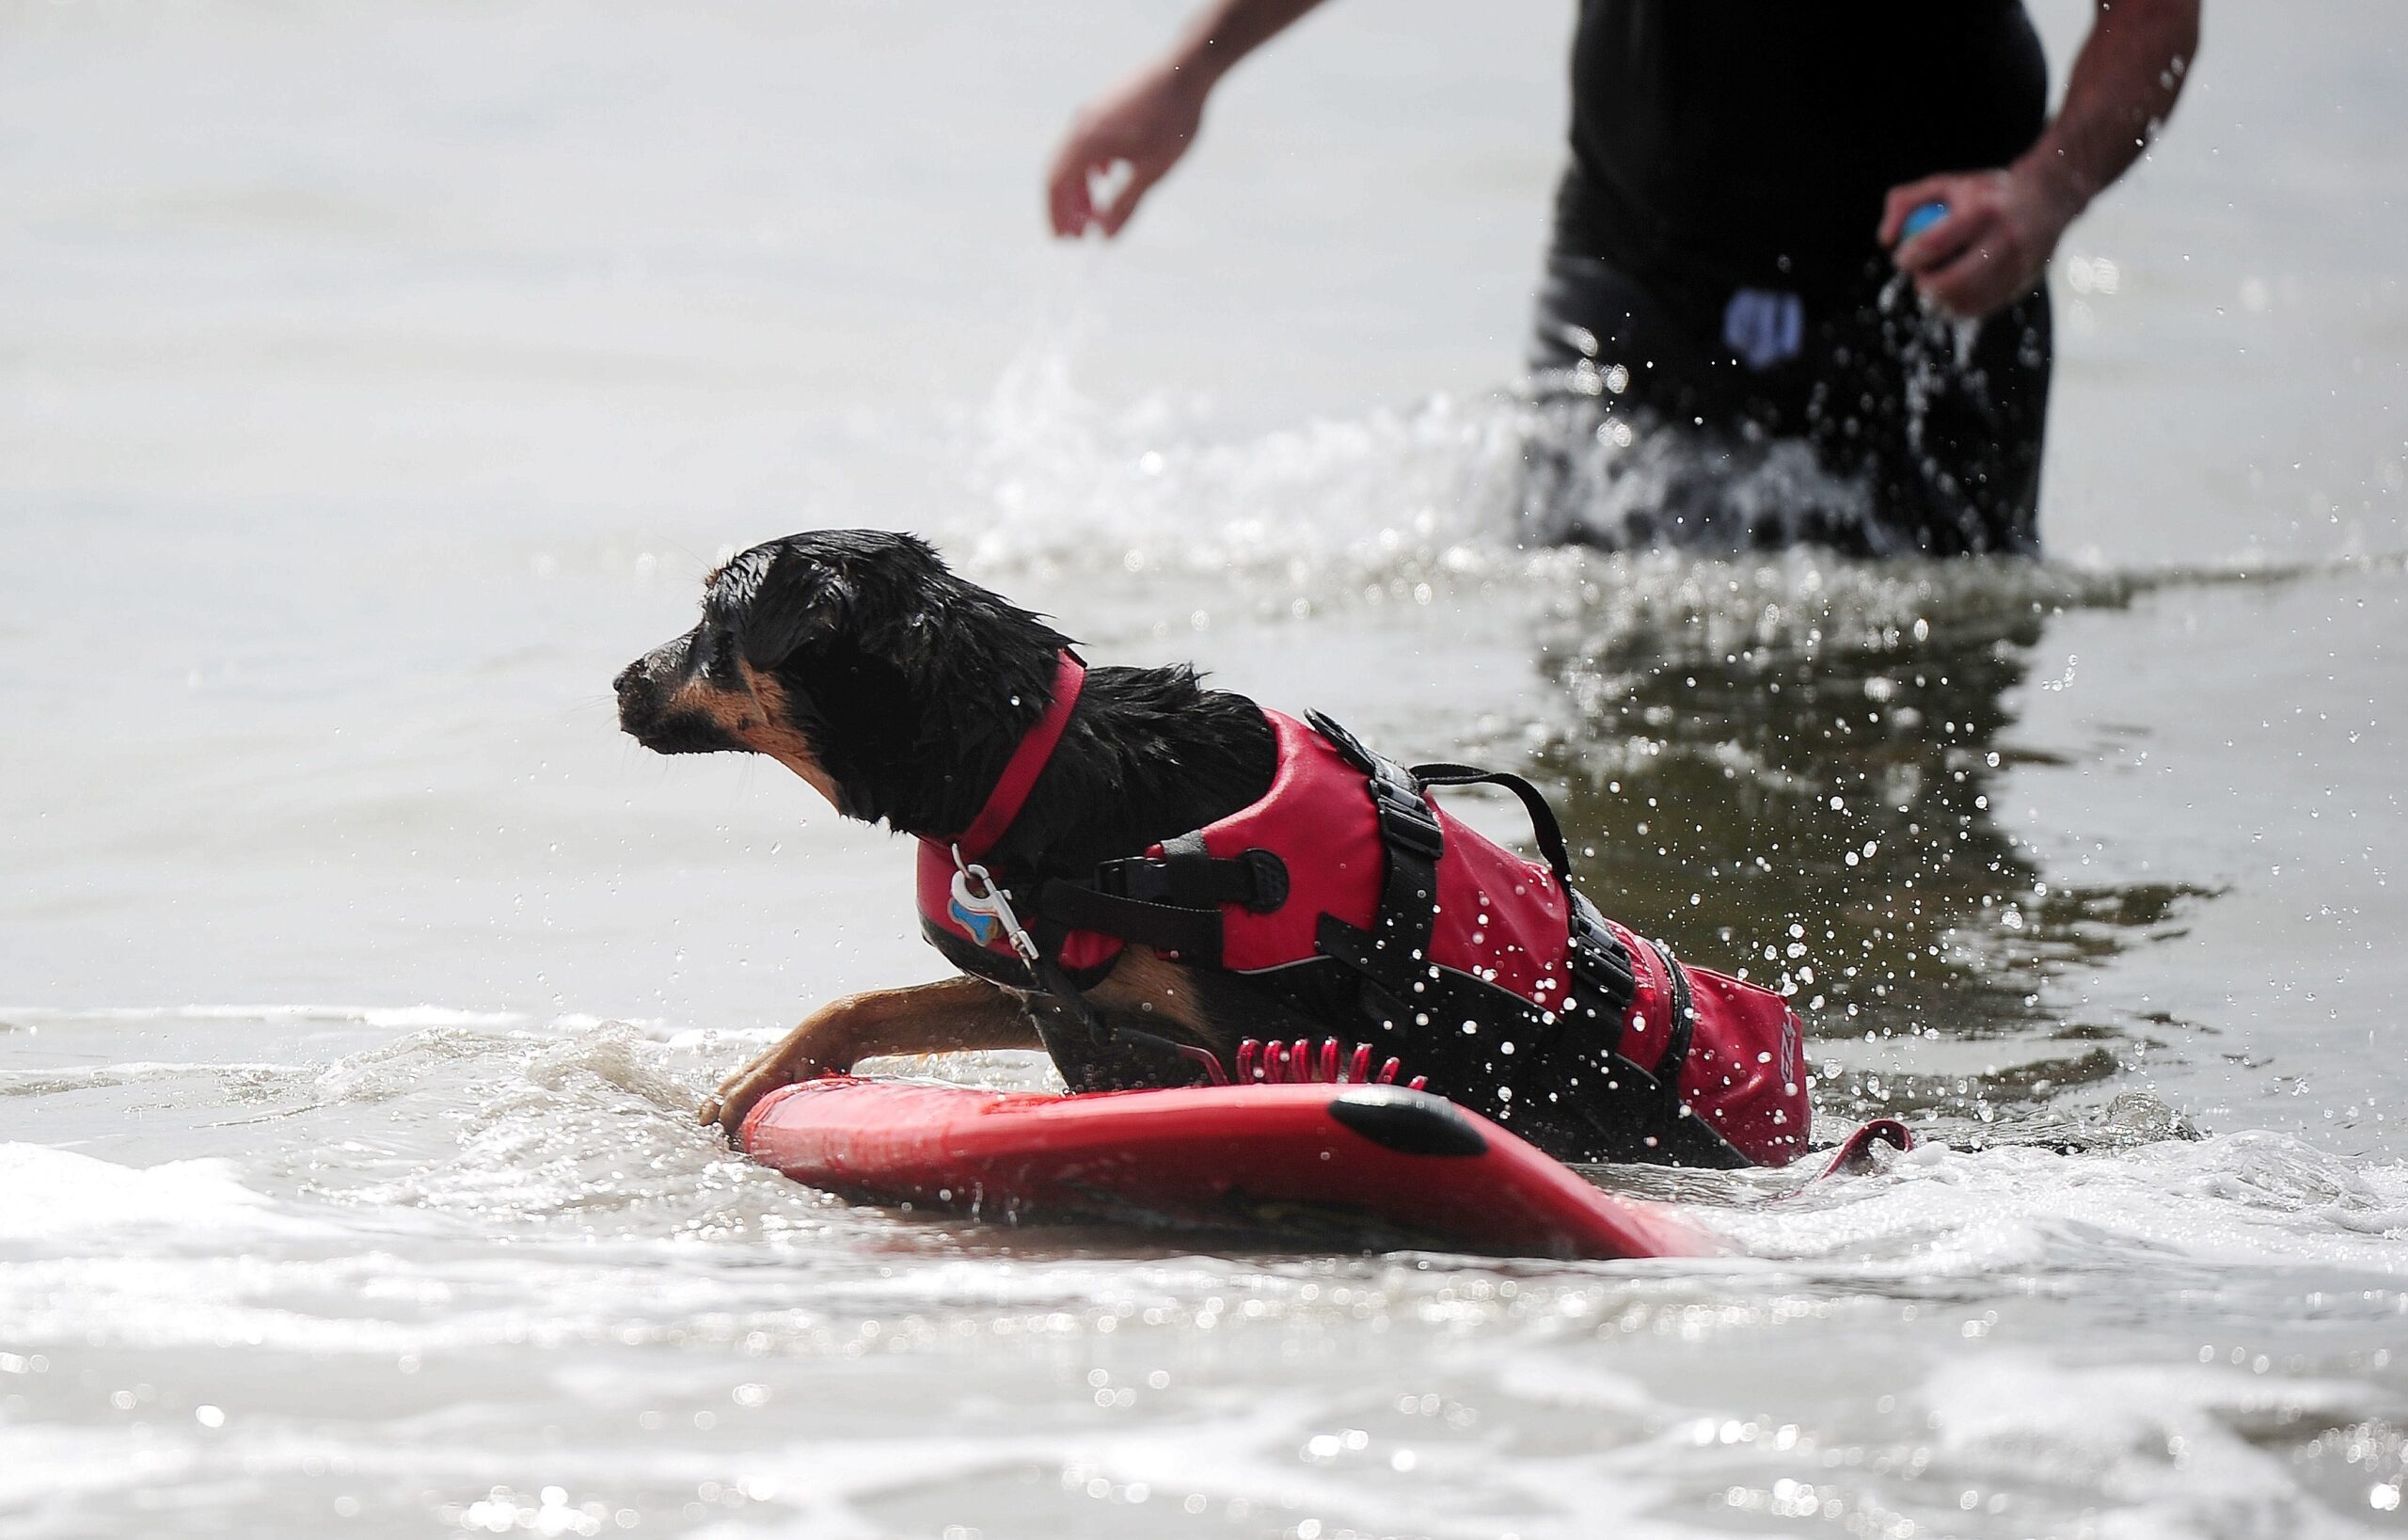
<point x="1352" y="899"/>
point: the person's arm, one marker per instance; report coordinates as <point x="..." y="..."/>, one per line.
<point x="1149" y="120"/>
<point x="2001" y="226"/>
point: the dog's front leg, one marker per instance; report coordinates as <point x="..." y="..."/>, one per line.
<point x="956" y="1015"/>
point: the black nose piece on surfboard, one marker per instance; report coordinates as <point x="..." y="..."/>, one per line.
<point x="1407" y="1121"/>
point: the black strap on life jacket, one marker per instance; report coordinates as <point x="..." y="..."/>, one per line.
<point x="1171" y="902"/>
<point x="1049" y="979"/>
<point x="1683" y="1025"/>
<point x="1601" y="968"/>
<point x="1392" y="955"/>
<point x="1187" y="873"/>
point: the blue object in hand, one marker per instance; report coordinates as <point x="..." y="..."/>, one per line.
<point x="1923" y="218"/>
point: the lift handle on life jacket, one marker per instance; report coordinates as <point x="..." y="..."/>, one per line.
<point x="1542" y="824"/>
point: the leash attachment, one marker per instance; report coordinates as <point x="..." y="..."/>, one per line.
<point x="982" y="908"/>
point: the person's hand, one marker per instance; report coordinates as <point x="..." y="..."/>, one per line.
<point x="1144" y="123"/>
<point x="1993" y="246"/>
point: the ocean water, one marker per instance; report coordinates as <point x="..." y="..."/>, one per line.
<point x="375" y="381"/>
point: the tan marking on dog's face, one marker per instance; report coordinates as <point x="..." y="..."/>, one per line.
<point x="754" y="718"/>
<point x="764" y="725"/>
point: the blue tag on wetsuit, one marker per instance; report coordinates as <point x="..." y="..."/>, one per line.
<point x="1764" y="326"/>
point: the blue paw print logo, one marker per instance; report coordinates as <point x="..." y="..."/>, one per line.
<point x="983" y="927"/>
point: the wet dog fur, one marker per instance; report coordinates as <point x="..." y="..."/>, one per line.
<point x="898" y="691"/>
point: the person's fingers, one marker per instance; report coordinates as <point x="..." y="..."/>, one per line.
<point x="1979" y="281"/>
<point x="1067" y="199"/>
<point x="1066" y="181"/>
<point x="1905" y="199"/>
<point x="709" y="1113"/>
<point x="1142" y="176"/>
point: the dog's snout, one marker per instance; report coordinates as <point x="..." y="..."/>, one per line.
<point x="638" y="690"/>
<point x="663" y="706"/>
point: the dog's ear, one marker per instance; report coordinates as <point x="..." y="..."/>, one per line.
<point x="856" y="584"/>
<point x="896" y="671"/>
<point x="787" y="601"/>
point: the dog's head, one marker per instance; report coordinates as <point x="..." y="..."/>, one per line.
<point x="856" y="659"/>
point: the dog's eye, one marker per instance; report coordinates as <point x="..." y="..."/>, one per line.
<point x="721" y="660"/>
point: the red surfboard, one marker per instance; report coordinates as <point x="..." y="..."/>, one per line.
<point x="1356" y="1165"/>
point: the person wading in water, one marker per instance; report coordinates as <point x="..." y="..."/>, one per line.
<point x="1750" y="197"/>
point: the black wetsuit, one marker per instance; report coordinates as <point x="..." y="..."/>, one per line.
<point x="1715" y="237"/>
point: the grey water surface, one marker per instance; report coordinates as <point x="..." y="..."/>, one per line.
<point x="375" y="381"/>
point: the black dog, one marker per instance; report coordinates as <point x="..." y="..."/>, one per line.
<point x="904" y="694"/>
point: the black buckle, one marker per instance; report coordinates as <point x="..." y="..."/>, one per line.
<point x="1597" y="954"/>
<point x="1149" y="881"/>
<point x="1349" y="747"/>
<point x="1257" y="879"/>
<point x="1405" y="819"/>
<point x="1604" y="972"/>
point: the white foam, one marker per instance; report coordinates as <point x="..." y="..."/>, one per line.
<point x="2181" y="1449"/>
<point x="74" y="1077"/>
<point x="722" y="1037"/>
<point x="400" y="1017"/>
<point x="48" y="1194"/>
<point x="578" y="1020"/>
<point x="2238" y="1199"/>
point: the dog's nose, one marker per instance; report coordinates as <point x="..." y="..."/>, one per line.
<point x="627" y="676"/>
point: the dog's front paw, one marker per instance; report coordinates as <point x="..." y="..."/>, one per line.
<point x="743" y="1091"/>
